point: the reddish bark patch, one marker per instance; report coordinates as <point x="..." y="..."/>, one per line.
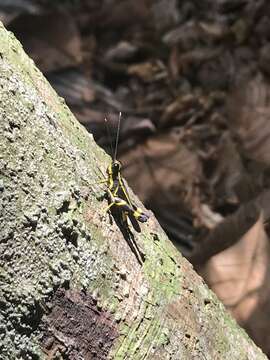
<point x="77" y="328"/>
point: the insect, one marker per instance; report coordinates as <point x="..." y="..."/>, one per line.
<point x="117" y="193"/>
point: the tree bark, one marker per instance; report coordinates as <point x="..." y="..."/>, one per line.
<point x="71" y="286"/>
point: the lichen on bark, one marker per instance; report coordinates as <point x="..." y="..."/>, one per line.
<point x="62" y="258"/>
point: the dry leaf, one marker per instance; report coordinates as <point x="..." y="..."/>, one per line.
<point x="250" y="118"/>
<point x="10" y="9"/>
<point x="240" y="277"/>
<point x="165" y="174"/>
<point x="73" y="86"/>
<point x="148" y="71"/>
<point x="52" y="40"/>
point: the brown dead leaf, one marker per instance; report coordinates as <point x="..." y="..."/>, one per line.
<point x="250" y="118"/>
<point x="165" y="174"/>
<point x="119" y="14"/>
<point x="215" y="31"/>
<point x="240" y="30"/>
<point x="51" y="40"/>
<point x="73" y="86"/>
<point x="231" y="182"/>
<point x="240" y="277"/>
<point x="122" y="51"/>
<point x="196" y="57"/>
<point x="185" y="35"/>
<point x="148" y="71"/>
<point x="165" y="13"/>
<point x="9" y="10"/>
<point x="226" y="233"/>
<point x="162" y="161"/>
<point x="183" y="108"/>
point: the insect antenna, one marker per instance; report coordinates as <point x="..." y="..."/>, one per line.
<point x="117" y="136"/>
<point x="109" y="134"/>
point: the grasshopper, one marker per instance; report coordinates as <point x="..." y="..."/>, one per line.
<point x="117" y="193"/>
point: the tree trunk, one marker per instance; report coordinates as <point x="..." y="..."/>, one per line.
<point x="72" y="285"/>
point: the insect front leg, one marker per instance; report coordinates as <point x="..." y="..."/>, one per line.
<point x="108" y="207"/>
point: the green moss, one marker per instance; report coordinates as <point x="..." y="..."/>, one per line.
<point x="164" y="279"/>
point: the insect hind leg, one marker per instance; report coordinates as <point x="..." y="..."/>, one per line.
<point x="139" y="214"/>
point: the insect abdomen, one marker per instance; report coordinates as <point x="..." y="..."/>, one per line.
<point x="140" y="215"/>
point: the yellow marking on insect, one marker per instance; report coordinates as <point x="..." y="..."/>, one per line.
<point x="137" y="212"/>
